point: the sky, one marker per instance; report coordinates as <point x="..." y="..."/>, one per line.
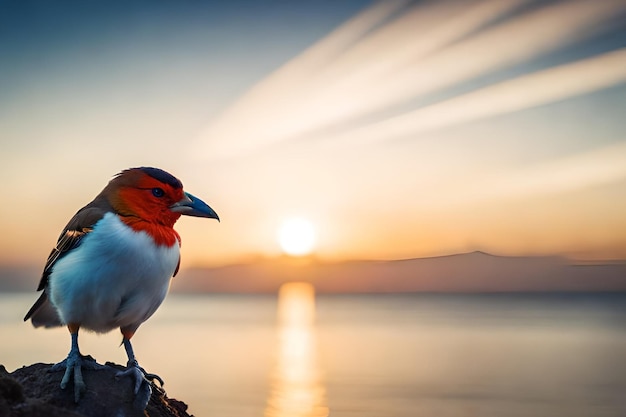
<point x="398" y="129"/>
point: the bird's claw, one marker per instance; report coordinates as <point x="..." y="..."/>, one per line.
<point x="143" y="383"/>
<point x="73" y="365"/>
<point x="153" y="377"/>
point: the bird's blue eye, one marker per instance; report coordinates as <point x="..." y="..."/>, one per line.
<point x="158" y="192"/>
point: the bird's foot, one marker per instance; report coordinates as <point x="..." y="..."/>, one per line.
<point x="143" y="383"/>
<point x="73" y="365"/>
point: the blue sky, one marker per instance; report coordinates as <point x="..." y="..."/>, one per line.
<point x="144" y="42"/>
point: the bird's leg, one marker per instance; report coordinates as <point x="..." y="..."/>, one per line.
<point x="143" y="380"/>
<point x="73" y="365"/>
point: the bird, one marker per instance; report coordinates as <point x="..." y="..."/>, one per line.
<point x="112" y="267"/>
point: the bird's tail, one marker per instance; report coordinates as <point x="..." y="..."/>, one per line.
<point x="42" y="313"/>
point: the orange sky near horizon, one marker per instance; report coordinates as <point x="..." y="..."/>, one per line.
<point x="398" y="129"/>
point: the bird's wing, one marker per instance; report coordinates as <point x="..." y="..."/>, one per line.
<point x="69" y="240"/>
<point x="78" y="227"/>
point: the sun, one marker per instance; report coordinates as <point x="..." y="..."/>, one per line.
<point x="296" y="237"/>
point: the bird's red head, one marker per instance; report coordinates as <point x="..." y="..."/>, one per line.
<point x="149" y="199"/>
<point x="146" y="193"/>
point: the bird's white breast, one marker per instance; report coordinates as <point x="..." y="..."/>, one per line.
<point x="117" y="277"/>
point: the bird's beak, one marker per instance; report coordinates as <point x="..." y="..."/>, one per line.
<point x="190" y="205"/>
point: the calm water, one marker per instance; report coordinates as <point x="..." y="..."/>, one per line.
<point x="366" y="356"/>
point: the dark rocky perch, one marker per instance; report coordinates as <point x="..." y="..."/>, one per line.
<point x="32" y="391"/>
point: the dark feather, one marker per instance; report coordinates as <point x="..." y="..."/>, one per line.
<point x="177" y="267"/>
<point x="164" y="177"/>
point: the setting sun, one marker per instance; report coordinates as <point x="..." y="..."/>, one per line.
<point x="296" y="237"/>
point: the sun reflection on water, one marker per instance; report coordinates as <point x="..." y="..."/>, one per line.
<point x="296" y="386"/>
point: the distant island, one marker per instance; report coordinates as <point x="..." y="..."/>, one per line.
<point x="467" y="272"/>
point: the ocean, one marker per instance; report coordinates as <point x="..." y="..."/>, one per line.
<point x="300" y="355"/>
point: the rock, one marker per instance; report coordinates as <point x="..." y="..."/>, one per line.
<point x="33" y="391"/>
